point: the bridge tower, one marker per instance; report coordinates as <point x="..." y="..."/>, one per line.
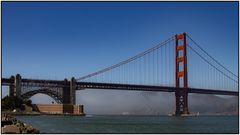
<point x="69" y="92"/>
<point x="73" y="88"/>
<point x="66" y="92"/>
<point x="181" y="96"/>
<point x="11" y="87"/>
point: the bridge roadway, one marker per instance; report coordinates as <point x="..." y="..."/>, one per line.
<point x="115" y="86"/>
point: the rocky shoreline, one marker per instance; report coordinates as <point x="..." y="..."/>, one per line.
<point x="12" y="125"/>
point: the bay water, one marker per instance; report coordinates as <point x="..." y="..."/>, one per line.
<point x="132" y="124"/>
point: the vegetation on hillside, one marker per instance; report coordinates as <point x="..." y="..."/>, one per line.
<point x="11" y="103"/>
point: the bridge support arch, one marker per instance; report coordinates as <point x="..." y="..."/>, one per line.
<point x="53" y="94"/>
<point x="67" y="87"/>
<point x="181" y="96"/>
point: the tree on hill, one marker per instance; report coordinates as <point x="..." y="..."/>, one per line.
<point x="13" y="102"/>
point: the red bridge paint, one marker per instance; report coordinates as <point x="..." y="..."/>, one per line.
<point x="181" y="95"/>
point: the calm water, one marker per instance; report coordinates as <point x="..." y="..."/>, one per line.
<point x="133" y="124"/>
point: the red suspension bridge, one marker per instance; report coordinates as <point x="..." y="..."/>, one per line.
<point x="176" y="65"/>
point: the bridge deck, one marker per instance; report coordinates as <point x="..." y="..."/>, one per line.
<point x="114" y="86"/>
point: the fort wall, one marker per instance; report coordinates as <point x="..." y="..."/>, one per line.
<point x="59" y="108"/>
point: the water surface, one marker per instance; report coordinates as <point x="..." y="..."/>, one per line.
<point x="133" y="124"/>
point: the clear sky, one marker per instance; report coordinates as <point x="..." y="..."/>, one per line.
<point x="57" y="40"/>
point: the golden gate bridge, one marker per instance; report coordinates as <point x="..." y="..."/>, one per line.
<point x="178" y="65"/>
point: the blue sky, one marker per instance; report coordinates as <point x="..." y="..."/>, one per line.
<point x="57" y="40"/>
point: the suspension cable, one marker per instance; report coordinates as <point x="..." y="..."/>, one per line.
<point x="128" y="60"/>
<point x="211" y="64"/>
<point x="210" y="56"/>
